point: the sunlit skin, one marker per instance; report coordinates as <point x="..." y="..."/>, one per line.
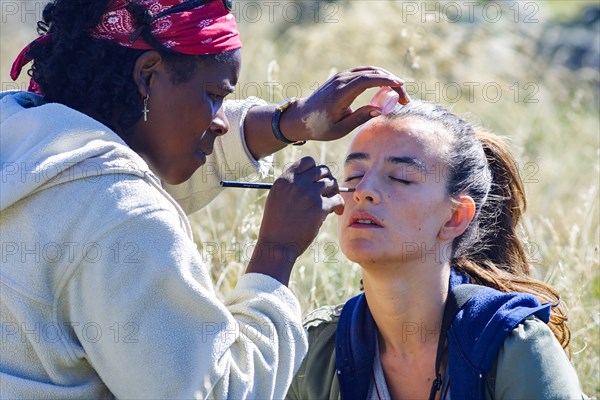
<point x="396" y="167"/>
<point x="184" y="119"/>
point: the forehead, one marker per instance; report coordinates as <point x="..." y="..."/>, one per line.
<point x="383" y="136"/>
<point x="219" y="71"/>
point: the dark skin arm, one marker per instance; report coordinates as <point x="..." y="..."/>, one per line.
<point x="325" y="115"/>
<point x="314" y="194"/>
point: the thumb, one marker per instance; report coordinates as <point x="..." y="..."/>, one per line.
<point x="354" y="120"/>
<point x="334" y="204"/>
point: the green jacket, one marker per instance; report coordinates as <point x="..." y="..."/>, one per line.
<point x="530" y="365"/>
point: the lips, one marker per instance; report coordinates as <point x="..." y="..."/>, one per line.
<point x="364" y="219"/>
<point x="200" y="154"/>
<point x="204" y="152"/>
<point x="205" y="142"/>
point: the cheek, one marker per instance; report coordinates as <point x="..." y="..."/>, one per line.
<point x="188" y="109"/>
<point x="409" y="216"/>
<point x="343" y="230"/>
<point x="340" y="221"/>
<point x="432" y="219"/>
<point x="206" y="111"/>
<point x="348" y="208"/>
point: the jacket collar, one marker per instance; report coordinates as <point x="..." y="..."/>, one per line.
<point x="477" y="332"/>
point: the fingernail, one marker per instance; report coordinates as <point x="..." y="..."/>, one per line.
<point x="375" y="113"/>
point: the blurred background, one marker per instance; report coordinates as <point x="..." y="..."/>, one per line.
<point x="527" y="70"/>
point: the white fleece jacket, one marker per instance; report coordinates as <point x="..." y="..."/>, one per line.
<point x="103" y="292"/>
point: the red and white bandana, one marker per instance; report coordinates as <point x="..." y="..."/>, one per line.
<point x="207" y="29"/>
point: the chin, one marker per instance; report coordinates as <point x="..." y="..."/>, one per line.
<point x="178" y="176"/>
<point x="179" y="179"/>
<point x="173" y="182"/>
<point x="360" y="252"/>
<point x="172" y="177"/>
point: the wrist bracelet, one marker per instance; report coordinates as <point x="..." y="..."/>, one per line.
<point x="276" y="119"/>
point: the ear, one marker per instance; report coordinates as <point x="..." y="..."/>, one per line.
<point x="144" y="70"/>
<point x="462" y="214"/>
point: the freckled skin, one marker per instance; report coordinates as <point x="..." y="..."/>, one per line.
<point x="412" y="212"/>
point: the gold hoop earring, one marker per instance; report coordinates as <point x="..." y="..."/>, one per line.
<point x="146" y="110"/>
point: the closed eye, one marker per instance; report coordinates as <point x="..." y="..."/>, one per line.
<point x="404" y="181"/>
<point x="351" y="178"/>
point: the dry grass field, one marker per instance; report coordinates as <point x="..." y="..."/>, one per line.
<point x="482" y="61"/>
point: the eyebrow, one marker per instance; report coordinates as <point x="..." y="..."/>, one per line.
<point x="392" y="160"/>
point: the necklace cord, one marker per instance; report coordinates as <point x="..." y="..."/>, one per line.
<point x="450" y="310"/>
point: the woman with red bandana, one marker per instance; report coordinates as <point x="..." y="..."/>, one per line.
<point x="104" y="293"/>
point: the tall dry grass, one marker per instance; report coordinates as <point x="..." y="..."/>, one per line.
<point x="548" y="113"/>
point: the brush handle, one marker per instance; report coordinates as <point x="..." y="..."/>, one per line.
<point x="252" y="185"/>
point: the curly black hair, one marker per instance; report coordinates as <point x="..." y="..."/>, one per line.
<point x="93" y="75"/>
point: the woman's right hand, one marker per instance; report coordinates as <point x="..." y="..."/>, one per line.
<point x="298" y="203"/>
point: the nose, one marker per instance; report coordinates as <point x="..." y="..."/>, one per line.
<point x="366" y="191"/>
<point x="219" y="125"/>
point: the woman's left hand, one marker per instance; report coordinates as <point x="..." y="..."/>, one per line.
<point x="326" y="114"/>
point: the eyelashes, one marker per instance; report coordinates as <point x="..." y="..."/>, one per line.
<point x="400" y="180"/>
<point x="352" y="178"/>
